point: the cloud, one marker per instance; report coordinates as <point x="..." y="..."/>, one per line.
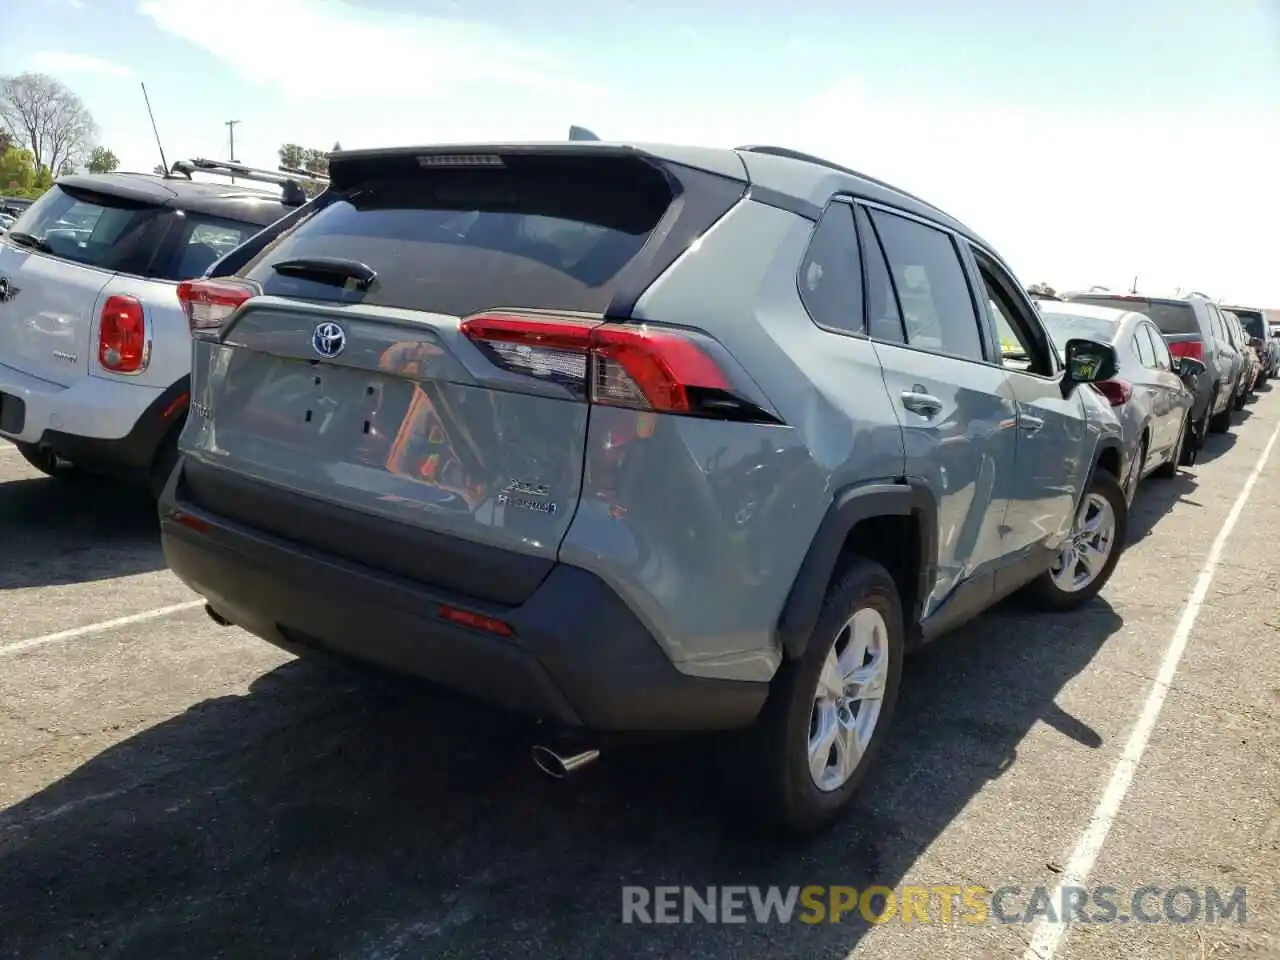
<point x="61" y="63"/>
<point x="334" y="50"/>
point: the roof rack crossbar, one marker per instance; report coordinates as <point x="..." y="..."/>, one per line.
<point x="279" y="177"/>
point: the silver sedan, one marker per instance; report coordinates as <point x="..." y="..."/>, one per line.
<point x="1149" y="393"/>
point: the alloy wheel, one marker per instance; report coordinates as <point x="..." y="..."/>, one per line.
<point x="1085" y="554"/>
<point x="849" y="699"/>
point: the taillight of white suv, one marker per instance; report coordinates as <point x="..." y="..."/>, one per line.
<point x="123" y="343"/>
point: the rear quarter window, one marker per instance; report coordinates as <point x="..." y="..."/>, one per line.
<point x="462" y="241"/>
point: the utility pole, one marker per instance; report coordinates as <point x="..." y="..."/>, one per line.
<point x="231" y="133"/>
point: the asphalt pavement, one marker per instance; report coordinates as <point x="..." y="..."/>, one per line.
<point x="171" y="788"/>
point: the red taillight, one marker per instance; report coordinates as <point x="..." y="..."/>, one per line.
<point x="1117" y="392"/>
<point x="1187" y="348"/>
<point x="619" y="365"/>
<point x="475" y="621"/>
<point x="122" y="336"/>
<point x="208" y="303"/>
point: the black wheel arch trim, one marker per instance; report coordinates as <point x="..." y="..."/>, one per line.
<point x="852" y="505"/>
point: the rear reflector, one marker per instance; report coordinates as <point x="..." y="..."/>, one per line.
<point x="122" y="336"/>
<point x="475" y="621"/>
<point x="188" y="521"/>
<point x="1117" y="392"/>
<point x="619" y="365"/>
<point x="1187" y="348"/>
<point x="208" y="303"/>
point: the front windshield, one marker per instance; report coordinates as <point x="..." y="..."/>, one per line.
<point x="1063" y="327"/>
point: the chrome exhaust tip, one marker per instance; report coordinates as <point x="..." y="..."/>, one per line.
<point x="559" y="765"/>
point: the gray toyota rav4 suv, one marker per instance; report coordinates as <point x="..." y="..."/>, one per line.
<point x="637" y="440"/>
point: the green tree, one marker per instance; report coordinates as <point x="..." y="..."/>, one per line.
<point x="17" y="171"/>
<point x="102" y="160"/>
<point x="293" y="156"/>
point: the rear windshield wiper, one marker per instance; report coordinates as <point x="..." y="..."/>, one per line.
<point x="336" y="271"/>
<point x="28" y="240"/>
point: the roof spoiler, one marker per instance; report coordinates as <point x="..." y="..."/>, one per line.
<point x="290" y="180"/>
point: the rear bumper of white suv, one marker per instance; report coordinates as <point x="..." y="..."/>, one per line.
<point x="100" y="424"/>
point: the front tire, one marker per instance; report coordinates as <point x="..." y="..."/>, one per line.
<point x="1091" y="552"/>
<point x="829" y="711"/>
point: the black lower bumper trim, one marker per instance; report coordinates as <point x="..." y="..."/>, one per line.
<point x="579" y="656"/>
<point x="130" y="457"/>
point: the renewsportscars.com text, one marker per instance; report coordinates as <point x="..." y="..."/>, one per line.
<point x="939" y="903"/>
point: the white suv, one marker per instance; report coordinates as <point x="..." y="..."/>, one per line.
<point x="95" y="350"/>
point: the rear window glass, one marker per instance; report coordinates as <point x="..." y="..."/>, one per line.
<point x="89" y="228"/>
<point x="543" y="235"/>
<point x="1252" y="321"/>
<point x="1170" y="317"/>
<point x="1065" y="326"/>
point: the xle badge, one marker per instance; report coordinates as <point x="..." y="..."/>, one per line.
<point x="522" y="495"/>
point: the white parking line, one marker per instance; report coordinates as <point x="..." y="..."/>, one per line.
<point x="1049" y="936"/>
<point x="19" y="645"/>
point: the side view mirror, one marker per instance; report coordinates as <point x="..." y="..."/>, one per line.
<point x="1089" y="361"/>
<point x="1189" y="368"/>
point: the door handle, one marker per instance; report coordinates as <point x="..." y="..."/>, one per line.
<point x="1029" y="423"/>
<point x="917" y="401"/>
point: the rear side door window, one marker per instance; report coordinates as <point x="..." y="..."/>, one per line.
<point x="1161" y="352"/>
<point x="1142" y="346"/>
<point x="830" y="277"/>
<point x="937" y="306"/>
<point x="203" y="241"/>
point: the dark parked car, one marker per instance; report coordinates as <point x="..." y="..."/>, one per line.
<point x="1262" y="340"/>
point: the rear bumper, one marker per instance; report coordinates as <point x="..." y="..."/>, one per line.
<point x="98" y="424"/>
<point x="578" y="657"/>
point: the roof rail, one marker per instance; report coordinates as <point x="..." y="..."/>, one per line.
<point x="289" y="179"/>
<point x="790" y="154"/>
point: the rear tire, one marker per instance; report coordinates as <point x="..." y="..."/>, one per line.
<point x="1191" y="450"/>
<point x="1169" y="469"/>
<point x="1220" y="422"/>
<point x="1048" y="591"/>
<point x="862" y="602"/>
<point x="49" y="463"/>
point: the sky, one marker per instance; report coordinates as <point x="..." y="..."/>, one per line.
<point x="1089" y="141"/>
